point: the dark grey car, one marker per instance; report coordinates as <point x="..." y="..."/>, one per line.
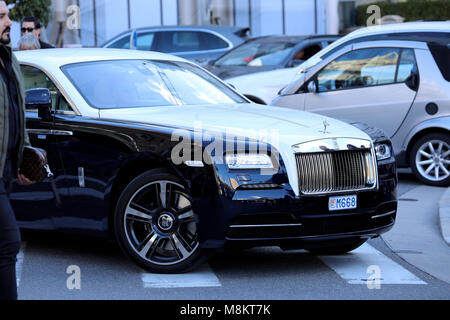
<point x="196" y="43"/>
<point x="268" y="53"/>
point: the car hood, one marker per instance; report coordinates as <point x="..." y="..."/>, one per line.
<point x="246" y="119"/>
<point x="226" y="72"/>
<point x="282" y="128"/>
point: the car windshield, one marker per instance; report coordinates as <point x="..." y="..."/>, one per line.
<point x="257" y="54"/>
<point x="143" y="83"/>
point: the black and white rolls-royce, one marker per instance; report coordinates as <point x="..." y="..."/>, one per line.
<point x="170" y="161"/>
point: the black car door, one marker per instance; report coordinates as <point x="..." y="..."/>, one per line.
<point x="36" y="206"/>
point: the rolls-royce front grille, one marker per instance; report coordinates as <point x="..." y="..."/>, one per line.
<point x="322" y="172"/>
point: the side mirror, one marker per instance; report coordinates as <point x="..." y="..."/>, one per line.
<point x="312" y="88"/>
<point x="40" y="99"/>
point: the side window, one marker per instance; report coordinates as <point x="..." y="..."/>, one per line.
<point x="441" y="55"/>
<point x="35" y="78"/>
<point x="145" y="41"/>
<point x="122" y="43"/>
<point x="178" y="41"/>
<point x="209" y="41"/>
<point x="307" y="52"/>
<point x="360" y="68"/>
<point x="406" y="65"/>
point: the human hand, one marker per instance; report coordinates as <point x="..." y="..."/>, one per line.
<point x="22" y="180"/>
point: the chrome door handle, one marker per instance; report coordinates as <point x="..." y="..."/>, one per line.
<point x="50" y="132"/>
<point x="62" y="133"/>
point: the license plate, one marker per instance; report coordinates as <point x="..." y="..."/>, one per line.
<point x="342" y="203"/>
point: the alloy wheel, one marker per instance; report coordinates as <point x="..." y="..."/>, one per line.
<point x="159" y="223"/>
<point x="433" y="160"/>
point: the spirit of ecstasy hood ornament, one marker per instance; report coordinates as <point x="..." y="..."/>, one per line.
<point x="325" y="125"/>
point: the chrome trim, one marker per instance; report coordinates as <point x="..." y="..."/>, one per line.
<point x="194" y="163"/>
<point x="315" y="173"/>
<point x="62" y="133"/>
<point x="265" y="225"/>
<point x="81" y="180"/>
<point x="331" y="144"/>
<point x="39" y="131"/>
<point x="50" y="132"/>
<point x="384" y="214"/>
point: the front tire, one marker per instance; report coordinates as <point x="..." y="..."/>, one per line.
<point x="155" y="224"/>
<point x="430" y="159"/>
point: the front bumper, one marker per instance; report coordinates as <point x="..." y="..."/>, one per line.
<point x="276" y="217"/>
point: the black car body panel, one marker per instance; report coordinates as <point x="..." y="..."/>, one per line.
<point x="110" y="153"/>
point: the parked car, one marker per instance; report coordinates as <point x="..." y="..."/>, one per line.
<point x="197" y="43"/>
<point x="401" y="87"/>
<point x="430" y="31"/>
<point x="265" y="86"/>
<point x="245" y="65"/>
<point x="129" y="142"/>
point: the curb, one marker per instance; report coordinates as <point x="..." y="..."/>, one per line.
<point x="444" y="215"/>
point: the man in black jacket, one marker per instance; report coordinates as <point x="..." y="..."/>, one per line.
<point x="33" y="25"/>
<point x="13" y="138"/>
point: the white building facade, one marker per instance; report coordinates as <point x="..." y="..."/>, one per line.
<point x="103" y="19"/>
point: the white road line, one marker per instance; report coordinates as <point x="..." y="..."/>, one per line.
<point x="201" y="277"/>
<point x="19" y="263"/>
<point x="353" y="267"/>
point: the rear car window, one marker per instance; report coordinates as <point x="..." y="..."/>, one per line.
<point x="441" y="54"/>
<point x="122" y="43"/>
<point x="209" y="41"/>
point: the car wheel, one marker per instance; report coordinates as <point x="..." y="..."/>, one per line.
<point x="336" y="248"/>
<point x="155" y="224"/>
<point x="430" y="159"/>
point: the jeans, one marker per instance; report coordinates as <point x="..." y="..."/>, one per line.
<point x="9" y="240"/>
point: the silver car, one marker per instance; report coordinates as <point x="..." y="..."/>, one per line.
<point x="196" y="43"/>
<point x="401" y="87"/>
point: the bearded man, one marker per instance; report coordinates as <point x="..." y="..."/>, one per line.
<point x="13" y="138"/>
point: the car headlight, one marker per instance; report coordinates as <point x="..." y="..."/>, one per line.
<point x="249" y="161"/>
<point x="383" y="151"/>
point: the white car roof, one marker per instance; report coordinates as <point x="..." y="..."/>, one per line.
<point x="427" y="26"/>
<point x="50" y="58"/>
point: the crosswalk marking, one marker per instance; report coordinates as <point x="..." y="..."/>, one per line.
<point x="353" y="267"/>
<point x="19" y="263"/>
<point x="201" y="277"/>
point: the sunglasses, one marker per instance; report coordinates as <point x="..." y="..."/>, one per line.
<point x="27" y="29"/>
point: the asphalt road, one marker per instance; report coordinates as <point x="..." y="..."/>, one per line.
<point x="59" y="266"/>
